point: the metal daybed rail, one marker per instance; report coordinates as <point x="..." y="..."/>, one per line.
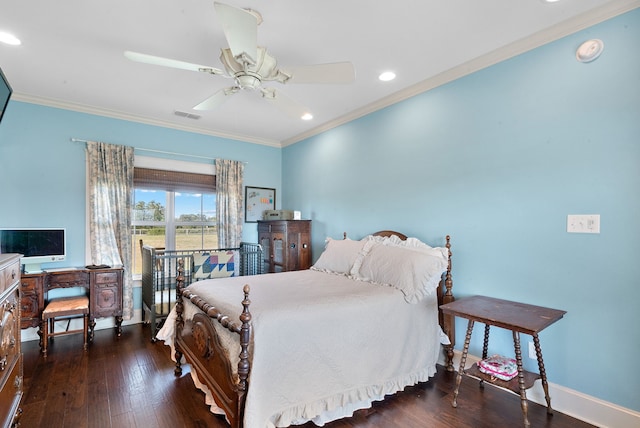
<point x="160" y="269"/>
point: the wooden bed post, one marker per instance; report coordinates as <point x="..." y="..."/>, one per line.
<point x="449" y="320"/>
<point x="179" y="319"/>
<point x="244" y="366"/>
<point x="245" y="337"/>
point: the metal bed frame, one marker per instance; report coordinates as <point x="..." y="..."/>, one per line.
<point x="160" y="269"/>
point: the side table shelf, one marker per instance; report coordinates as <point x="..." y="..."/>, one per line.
<point x="514" y="316"/>
<point x="512" y="385"/>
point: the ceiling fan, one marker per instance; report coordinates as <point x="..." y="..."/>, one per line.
<point x="250" y="65"/>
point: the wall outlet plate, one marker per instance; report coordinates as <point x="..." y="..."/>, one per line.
<point x="583" y="223"/>
<point x="532" y="351"/>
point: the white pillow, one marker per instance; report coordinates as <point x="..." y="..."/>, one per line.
<point x="391" y="241"/>
<point x="339" y="256"/>
<point x="414" y="272"/>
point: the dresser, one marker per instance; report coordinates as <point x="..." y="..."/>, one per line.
<point x="286" y="244"/>
<point x="11" y="376"/>
<point x="104" y="287"/>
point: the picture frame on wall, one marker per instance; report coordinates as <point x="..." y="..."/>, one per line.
<point x="256" y="201"/>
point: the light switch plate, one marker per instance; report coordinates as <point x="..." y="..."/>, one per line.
<point x="583" y="223"/>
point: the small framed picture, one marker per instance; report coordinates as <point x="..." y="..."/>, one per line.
<point x="257" y="200"/>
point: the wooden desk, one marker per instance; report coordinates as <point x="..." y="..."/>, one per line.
<point x="104" y="287"/>
<point x="514" y="316"/>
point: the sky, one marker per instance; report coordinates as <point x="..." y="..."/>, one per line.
<point x="186" y="203"/>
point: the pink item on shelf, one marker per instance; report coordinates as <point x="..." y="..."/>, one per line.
<point x="499" y="366"/>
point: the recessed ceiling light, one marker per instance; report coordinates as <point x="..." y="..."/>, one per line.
<point x="9" y="39"/>
<point x="307" y="116"/>
<point x="387" y="76"/>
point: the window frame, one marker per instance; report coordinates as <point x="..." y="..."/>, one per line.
<point x="170" y="222"/>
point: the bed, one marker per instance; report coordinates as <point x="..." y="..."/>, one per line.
<point x="315" y="345"/>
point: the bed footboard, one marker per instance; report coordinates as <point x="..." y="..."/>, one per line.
<point x="199" y="343"/>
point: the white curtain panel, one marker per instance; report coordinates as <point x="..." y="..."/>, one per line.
<point x="229" y="201"/>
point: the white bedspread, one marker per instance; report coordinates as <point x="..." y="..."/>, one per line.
<point x="324" y="345"/>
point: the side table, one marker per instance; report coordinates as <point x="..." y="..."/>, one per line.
<point x="514" y="316"/>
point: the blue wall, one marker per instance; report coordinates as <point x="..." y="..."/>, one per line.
<point x="498" y="159"/>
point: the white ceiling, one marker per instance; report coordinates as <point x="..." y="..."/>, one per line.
<point x="72" y="54"/>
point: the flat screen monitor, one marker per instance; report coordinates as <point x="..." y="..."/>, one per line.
<point x="5" y="93"/>
<point x="38" y="245"/>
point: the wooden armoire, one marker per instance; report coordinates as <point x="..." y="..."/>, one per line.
<point x="286" y="244"/>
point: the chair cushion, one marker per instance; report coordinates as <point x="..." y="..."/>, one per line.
<point x="66" y="306"/>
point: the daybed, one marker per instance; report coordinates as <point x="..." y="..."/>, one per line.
<point x="160" y="269"/>
<point x="319" y="344"/>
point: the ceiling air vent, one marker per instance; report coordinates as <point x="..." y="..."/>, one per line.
<point x="187" y="115"/>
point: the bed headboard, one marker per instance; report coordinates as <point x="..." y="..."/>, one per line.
<point x="387" y="233"/>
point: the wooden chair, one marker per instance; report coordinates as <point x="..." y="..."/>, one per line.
<point x="66" y="308"/>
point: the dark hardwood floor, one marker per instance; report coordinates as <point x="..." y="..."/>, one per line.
<point x="129" y="382"/>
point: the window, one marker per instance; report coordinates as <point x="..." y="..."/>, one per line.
<point x="172" y="210"/>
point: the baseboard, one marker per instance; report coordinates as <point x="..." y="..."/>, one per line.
<point x="31" y="333"/>
<point x="570" y="402"/>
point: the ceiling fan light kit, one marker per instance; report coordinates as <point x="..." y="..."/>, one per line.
<point x="250" y="74"/>
<point x="250" y="65"/>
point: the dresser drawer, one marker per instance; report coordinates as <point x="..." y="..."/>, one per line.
<point x="30" y="310"/>
<point x="11" y="274"/>
<point x="9" y="331"/>
<point x="102" y="278"/>
<point x="11" y="392"/>
<point x="68" y="279"/>
<point x="30" y="285"/>
<point x="31" y="299"/>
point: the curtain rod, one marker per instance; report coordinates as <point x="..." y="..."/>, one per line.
<point x="78" y="140"/>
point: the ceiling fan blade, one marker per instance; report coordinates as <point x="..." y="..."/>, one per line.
<point x="286" y="104"/>
<point x="167" y="62"/>
<point x="216" y="99"/>
<point x="240" y="28"/>
<point x="338" y="72"/>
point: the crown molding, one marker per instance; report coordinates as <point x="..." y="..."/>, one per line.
<point x="551" y="34"/>
<point x="82" y="108"/>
